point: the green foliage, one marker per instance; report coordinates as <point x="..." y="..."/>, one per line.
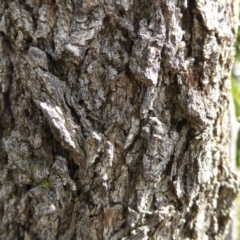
<point x="237" y="45"/>
<point x="236" y="94"/>
<point x="236" y="98"/>
<point x="236" y="88"/>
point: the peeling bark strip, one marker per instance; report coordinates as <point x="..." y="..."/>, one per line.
<point x="114" y="119"/>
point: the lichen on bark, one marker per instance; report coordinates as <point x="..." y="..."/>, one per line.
<point x="114" y="119"/>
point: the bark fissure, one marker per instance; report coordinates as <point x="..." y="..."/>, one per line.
<point x="114" y="119"/>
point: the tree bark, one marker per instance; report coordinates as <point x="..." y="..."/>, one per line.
<point x="114" y="119"/>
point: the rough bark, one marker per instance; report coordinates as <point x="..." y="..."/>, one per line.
<point x="114" y="119"/>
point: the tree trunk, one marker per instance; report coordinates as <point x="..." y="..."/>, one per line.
<point x="114" y="119"/>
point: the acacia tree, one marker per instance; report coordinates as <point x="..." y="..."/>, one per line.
<point x="114" y="119"/>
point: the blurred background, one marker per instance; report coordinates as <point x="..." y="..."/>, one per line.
<point x="236" y="122"/>
<point x="236" y="89"/>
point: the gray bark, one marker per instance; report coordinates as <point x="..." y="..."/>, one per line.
<point x="114" y="119"/>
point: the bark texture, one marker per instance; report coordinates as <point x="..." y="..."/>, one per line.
<point x="114" y="119"/>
